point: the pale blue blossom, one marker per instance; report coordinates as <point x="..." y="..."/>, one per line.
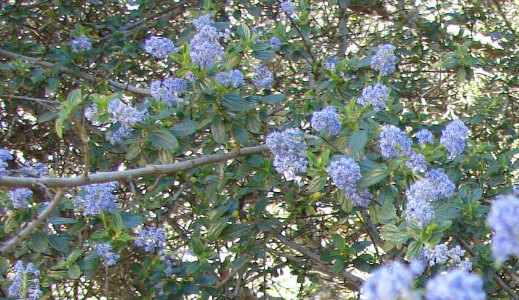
<point x="288" y="148"/>
<point x="455" y="284"/>
<point x="454" y="137"/>
<point x="159" y="47"/>
<point x="326" y="121"/>
<point x="384" y="60"/>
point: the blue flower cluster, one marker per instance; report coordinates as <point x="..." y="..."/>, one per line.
<point x="95" y="198"/>
<point x="204" y="48"/>
<point x="24" y="282"/>
<point x="441" y="255"/>
<point x="151" y="239"/>
<point x="433" y="187"/>
<point x="394" y="142"/>
<point x="424" y="136"/>
<point x="125" y="116"/>
<point x="232" y="78"/>
<point x="288" y="148"/>
<point x="390" y="282"/>
<point x="34" y="169"/>
<point x="262" y="78"/>
<point x="159" y="47"/>
<point x="376" y="95"/>
<point x="455" y="284"/>
<point x="4" y="157"/>
<point x="287" y="6"/>
<point x="18" y="197"/>
<point x="80" y="44"/>
<point x="384" y="60"/>
<point x="454" y="137"/>
<point x="168" y="90"/>
<point x="326" y="121"/>
<point x="515" y="189"/>
<point x="345" y="174"/>
<point x="503" y="220"/>
<point x="330" y="62"/>
<point x="104" y="250"/>
<point x="416" y="162"/>
<point x="275" y="43"/>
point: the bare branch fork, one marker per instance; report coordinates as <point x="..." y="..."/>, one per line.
<point x="103" y="177"/>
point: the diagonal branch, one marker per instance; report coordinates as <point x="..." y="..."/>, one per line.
<point x="102" y="177"/>
<point x="80" y="74"/>
<point x="350" y="281"/>
<point x="31" y="227"/>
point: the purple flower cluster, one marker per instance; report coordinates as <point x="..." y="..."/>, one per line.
<point x="424" y="136"/>
<point x="345" y="174"/>
<point x="384" y="60"/>
<point x="326" y="121"/>
<point x="204" y="48"/>
<point x="503" y="220"/>
<point x="151" y="239"/>
<point x="288" y="148"/>
<point x="4" y="157"/>
<point x="454" y="137"/>
<point x="159" y="47"/>
<point x="80" y="44"/>
<point x="455" y="284"/>
<point x="433" y="187"/>
<point x="95" y="198"/>
<point x="168" y="90"/>
<point x="262" y="78"/>
<point x="416" y="162"/>
<point x="394" y="142"/>
<point x="390" y="282"/>
<point x="104" y="250"/>
<point x="275" y="43"/>
<point x="24" y="282"/>
<point x="376" y="95"/>
<point x="330" y="62"/>
<point x="287" y="6"/>
<point x="125" y="116"/>
<point x="441" y="255"/>
<point x="232" y="78"/>
<point x="18" y="197"/>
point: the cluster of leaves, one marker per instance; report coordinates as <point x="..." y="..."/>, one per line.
<point x="234" y="226"/>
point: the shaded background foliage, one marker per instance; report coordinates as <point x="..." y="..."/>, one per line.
<point x="243" y="221"/>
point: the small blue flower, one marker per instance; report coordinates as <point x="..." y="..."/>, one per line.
<point x="454" y="137"/>
<point x="288" y="148"/>
<point x="19" y="197"/>
<point x="80" y="44"/>
<point x="326" y="121"/>
<point x="389" y="282"/>
<point x="151" y="239"/>
<point x="159" y="47"/>
<point x="168" y="90"/>
<point x="287" y="6"/>
<point x="345" y="174"/>
<point x="424" y="136"/>
<point x="24" y="282"/>
<point x="384" y="60"/>
<point x="232" y="78"/>
<point x="104" y="250"/>
<point x="275" y="43"/>
<point x="262" y="78"/>
<point x="330" y="63"/>
<point x="4" y="157"/>
<point x="203" y="21"/>
<point x="455" y="284"/>
<point x="204" y="48"/>
<point x="376" y="95"/>
<point x="394" y="142"/>
<point x="416" y="162"/>
<point x="123" y="116"/>
<point x="503" y="220"/>
<point x="419" y="211"/>
<point x="95" y="198"/>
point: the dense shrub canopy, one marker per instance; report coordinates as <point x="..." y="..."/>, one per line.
<point x="259" y="149"/>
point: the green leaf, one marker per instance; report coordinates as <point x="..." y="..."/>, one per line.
<point x="39" y="241"/>
<point x="62" y="220"/>
<point x="413" y="249"/>
<point x="373" y="176"/>
<point x="235" y="102"/>
<point x="338" y="265"/>
<point x="197" y="246"/>
<point x="235" y="231"/>
<point x="162" y="138"/>
<point x="264" y="54"/>
<point x="184" y="128"/>
<point x="131" y="220"/>
<point x="243" y="32"/>
<point x="59" y="243"/>
<point x="339" y="242"/>
<point x="218" y="130"/>
<point x="357" y="141"/>
<point x="393" y="234"/>
<point x="317" y="184"/>
<point x="253" y="122"/>
<point x="215" y="228"/>
<point x="74" y="272"/>
<point x="273" y="98"/>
